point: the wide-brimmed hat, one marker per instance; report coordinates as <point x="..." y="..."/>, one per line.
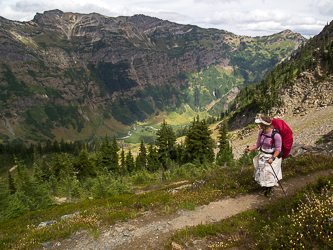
<point x="259" y="120"/>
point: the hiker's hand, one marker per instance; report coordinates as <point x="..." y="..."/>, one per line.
<point x="247" y="149"/>
<point x="270" y="161"/>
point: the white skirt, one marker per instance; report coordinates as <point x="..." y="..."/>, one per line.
<point x="263" y="173"/>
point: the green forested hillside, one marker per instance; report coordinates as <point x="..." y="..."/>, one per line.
<point x="315" y="57"/>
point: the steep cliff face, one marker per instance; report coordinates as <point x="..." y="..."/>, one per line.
<point x="77" y="75"/>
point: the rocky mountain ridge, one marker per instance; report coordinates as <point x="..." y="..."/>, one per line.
<point x="75" y="76"/>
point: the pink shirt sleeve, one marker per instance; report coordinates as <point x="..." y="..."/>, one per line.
<point x="278" y="142"/>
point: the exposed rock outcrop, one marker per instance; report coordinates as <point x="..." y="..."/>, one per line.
<point x="299" y="150"/>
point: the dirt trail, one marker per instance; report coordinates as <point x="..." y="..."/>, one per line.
<point x="150" y="230"/>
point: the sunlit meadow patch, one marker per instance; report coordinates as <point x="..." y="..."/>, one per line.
<point x="309" y="225"/>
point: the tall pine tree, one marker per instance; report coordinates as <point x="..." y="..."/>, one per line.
<point x="225" y="151"/>
<point x="84" y="165"/>
<point x="198" y="142"/>
<point x="129" y="162"/>
<point x="152" y="158"/>
<point x="109" y="155"/>
<point x="166" y="139"/>
<point x="123" y="167"/>
<point x="11" y="184"/>
<point x="142" y="157"/>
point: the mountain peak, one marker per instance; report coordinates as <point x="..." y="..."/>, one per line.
<point x="90" y="72"/>
<point x="49" y="13"/>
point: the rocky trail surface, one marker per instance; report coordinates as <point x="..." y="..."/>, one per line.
<point x="151" y="230"/>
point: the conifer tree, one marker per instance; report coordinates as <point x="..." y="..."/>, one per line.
<point x="55" y="146"/>
<point x="11" y="184"/>
<point x="166" y="139"/>
<point x="225" y="151"/>
<point x="152" y="158"/>
<point x="22" y="177"/>
<point x="39" y="148"/>
<point x="38" y="174"/>
<point x="179" y="150"/>
<point x="84" y="165"/>
<point x="62" y="145"/>
<point x="198" y="142"/>
<point x="109" y="155"/>
<point x="76" y="150"/>
<point x="30" y="195"/>
<point x="57" y="166"/>
<point x="114" y="155"/>
<point x="142" y="157"/>
<point x="48" y="146"/>
<point x="62" y="167"/>
<point x="123" y="168"/>
<point x="137" y="164"/>
<point x="18" y="204"/>
<point x="42" y="171"/>
<point x="129" y="162"/>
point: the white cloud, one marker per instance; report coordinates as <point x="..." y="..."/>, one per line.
<point x="325" y="7"/>
<point x="262" y="26"/>
<point x="269" y="21"/>
<point x="175" y="17"/>
<point x="245" y="17"/>
<point x="217" y="1"/>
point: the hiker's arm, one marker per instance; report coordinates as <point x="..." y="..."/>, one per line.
<point x="252" y="148"/>
<point x="258" y="143"/>
<point x="276" y="154"/>
<point x="278" y="142"/>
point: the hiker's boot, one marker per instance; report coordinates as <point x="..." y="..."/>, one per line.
<point x="262" y="192"/>
<point x="270" y="191"/>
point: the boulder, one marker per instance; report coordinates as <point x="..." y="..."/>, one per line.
<point x="46" y="223"/>
<point x="64" y="217"/>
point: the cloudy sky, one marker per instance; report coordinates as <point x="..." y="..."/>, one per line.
<point x="242" y="17"/>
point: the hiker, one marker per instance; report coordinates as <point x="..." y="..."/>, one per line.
<point x="267" y="158"/>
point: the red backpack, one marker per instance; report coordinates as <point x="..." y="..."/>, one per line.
<point x="286" y="134"/>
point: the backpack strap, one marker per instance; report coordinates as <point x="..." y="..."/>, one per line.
<point x="275" y="131"/>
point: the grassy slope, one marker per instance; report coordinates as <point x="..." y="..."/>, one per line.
<point x="21" y="233"/>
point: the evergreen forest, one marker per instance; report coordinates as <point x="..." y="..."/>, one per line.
<point x="101" y="168"/>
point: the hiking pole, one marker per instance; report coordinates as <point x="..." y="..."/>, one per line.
<point x="278" y="180"/>
<point x="242" y="168"/>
